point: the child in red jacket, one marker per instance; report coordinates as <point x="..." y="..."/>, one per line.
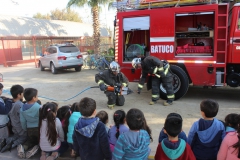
<point x="173" y="147"/>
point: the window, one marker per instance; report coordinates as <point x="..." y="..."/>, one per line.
<point x="136" y="23"/>
<point x="68" y="49"/>
<point x="54" y="50"/>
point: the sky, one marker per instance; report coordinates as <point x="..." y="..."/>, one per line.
<point x="27" y="8"/>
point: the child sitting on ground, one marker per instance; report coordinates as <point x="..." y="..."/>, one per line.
<point x="5" y="103"/>
<point x="163" y="135"/>
<point x="119" y="118"/>
<point x="51" y="132"/>
<point x="62" y="112"/>
<point x="206" y="134"/>
<point x="231" y="122"/>
<point x="29" y="118"/>
<point x="173" y="147"/>
<point x="134" y="144"/>
<point x="90" y="139"/>
<point x="71" y="119"/>
<point x="5" y="107"/>
<point x="20" y="135"/>
<point x="103" y="117"/>
<point x="230" y="147"/>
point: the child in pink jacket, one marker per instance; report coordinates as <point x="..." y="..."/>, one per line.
<point x="230" y="146"/>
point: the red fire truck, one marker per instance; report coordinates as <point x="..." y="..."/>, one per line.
<point x="201" y="42"/>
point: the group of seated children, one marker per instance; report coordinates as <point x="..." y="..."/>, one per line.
<point x="28" y="126"/>
<point x="130" y="137"/>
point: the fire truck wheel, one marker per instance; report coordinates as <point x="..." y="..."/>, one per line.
<point x="180" y="83"/>
<point x="233" y="80"/>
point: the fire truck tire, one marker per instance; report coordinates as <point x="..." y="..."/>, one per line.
<point x="180" y="83"/>
<point x="233" y="80"/>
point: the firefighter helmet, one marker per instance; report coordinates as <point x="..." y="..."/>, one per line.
<point x="114" y="67"/>
<point x="136" y="61"/>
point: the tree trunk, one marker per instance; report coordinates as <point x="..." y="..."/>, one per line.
<point x="96" y="32"/>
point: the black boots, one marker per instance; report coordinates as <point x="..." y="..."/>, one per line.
<point x="168" y="102"/>
<point x="2" y="143"/>
<point x="6" y="145"/>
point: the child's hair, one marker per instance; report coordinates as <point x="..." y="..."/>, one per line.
<point x="209" y="107"/>
<point x="1" y="86"/>
<point x="87" y="106"/>
<point x="49" y="111"/>
<point x="118" y="117"/>
<point x="237" y="145"/>
<point x="29" y="93"/>
<point x="103" y="116"/>
<point x="136" y="120"/>
<point x="62" y="112"/>
<point x="173" y="124"/>
<point x="39" y="102"/>
<point x="74" y="108"/>
<point x="231" y="120"/>
<point x="16" y="90"/>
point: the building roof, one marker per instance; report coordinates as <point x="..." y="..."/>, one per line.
<point x="16" y="27"/>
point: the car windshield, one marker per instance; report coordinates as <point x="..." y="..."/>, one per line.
<point x="68" y="49"/>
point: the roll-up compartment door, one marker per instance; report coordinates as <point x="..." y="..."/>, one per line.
<point x="136" y="23"/>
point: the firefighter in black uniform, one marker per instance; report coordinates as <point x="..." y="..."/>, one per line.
<point x="112" y="78"/>
<point x="155" y="68"/>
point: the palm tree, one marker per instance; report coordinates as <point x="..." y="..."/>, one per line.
<point x="95" y="7"/>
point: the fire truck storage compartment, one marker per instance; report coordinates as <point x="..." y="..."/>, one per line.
<point x="136" y="36"/>
<point x="194" y="34"/>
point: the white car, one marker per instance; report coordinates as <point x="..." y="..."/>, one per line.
<point x="61" y="56"/>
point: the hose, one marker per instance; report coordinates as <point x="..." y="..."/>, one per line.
<point x="8" y="92"/>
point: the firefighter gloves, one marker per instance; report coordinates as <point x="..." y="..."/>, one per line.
<point x="102" y="87"/>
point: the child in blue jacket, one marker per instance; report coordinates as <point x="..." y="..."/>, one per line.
<point x="29" y="118"/>
<point x="206" y="134"/>
<point x="90" y="139"/>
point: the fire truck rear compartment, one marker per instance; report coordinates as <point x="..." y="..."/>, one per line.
<point x="194" y="33"/>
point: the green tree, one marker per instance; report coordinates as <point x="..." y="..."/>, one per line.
<point x="95" y="8"/>
<point x="60" y="14"/>
<point x="42" y="16"/>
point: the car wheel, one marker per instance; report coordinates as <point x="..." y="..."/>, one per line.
<point x="180" y="83"/>
<point x="78" y="69"/>
<point x="41" y="67"/>
<point x="53" y="69"/>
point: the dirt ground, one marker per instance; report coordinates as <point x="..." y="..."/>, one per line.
<point x="68" y="83"/>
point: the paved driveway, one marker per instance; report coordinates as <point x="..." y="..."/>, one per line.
<point x="69" y="83"/>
